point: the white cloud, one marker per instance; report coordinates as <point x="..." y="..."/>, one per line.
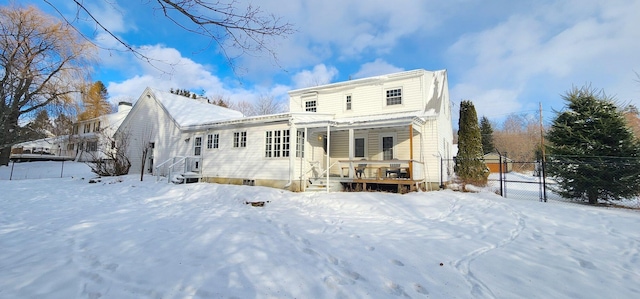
<point x="321" y="74"/>
<point x="171" y="70"/>
<point x="493" y="103"/>
<point x="168" y="70"/>
<point x="376" y="68"/>
<point x="344" y="30"/>
<point x="550" y="48"/>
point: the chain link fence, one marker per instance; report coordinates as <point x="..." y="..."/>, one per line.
<point x="46" y="169"/>
<point x="528" y="180"/>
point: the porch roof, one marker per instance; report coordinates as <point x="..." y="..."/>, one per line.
<point x="369" y="121"/>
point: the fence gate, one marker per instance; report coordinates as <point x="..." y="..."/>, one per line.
<point x="519" y="180"/>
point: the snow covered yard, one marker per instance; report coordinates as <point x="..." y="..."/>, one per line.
<point x="122" y="238"/>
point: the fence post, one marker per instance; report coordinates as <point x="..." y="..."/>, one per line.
<point x="62" y="169"/>
<point x="544" y="180"/>
<point x="500" y="174"/>
<point x="11" y="174"/>
<point x="506" y="169"/>
<point x="441" y="174"/>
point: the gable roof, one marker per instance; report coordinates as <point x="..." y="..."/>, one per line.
<point x="186" y="111"/>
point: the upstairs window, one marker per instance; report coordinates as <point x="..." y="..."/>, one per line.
<point x="348" y="102"/>
<point x="240" y="139"/>
<point x="311" y="106"/>
<point x="87" y="128"/>
<point x="394" y="96"/>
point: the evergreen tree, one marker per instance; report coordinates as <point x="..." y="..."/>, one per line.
<point x="593" y="154"/>
<point x="470" y="166"/>
<point x="486" y="131"/>
<point x="39" y="128"/>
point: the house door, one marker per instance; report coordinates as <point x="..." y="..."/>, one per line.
<point x="360" y="147"/>
<point x="151" y="148"/>
<point x="387" y="142"/>
<point x="197" y="151"/>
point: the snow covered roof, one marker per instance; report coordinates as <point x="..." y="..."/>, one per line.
<point x="367" y="80"/>
<point x="189" y="112"/>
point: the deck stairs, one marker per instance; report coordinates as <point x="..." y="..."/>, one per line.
<point x="180" y="170"/>
<point x="320" y="184"/>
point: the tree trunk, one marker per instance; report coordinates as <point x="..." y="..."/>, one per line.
<point x="592" y="195"/>
<point x="5" y="154"/>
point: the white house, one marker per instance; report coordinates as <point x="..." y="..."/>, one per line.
<point x="92" y="137"/>
<point x="83" y="144"/>
<point x="385" y="132"/>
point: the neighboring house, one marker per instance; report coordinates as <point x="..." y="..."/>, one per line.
<point x="46" y="149"/>
<point x="92" y="137"/>
<point x="388" y="132"/>
<point x="83" y="144"/>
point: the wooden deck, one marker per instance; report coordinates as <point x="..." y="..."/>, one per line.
<point x="399" y="185"/>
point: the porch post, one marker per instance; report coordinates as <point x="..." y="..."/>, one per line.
<point x="410" y="151"/>
<point x="351" y="151"/>
<point x="293" y="147"/>
<point x="328" y="154"/>
<point x="303" y="148"/>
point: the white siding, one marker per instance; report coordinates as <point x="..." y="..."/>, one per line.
<point x="245" y="162"/>
<point x="367" y="97"/>
<point x="147" y="122"/>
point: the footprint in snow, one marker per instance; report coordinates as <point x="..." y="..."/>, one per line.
<point x="397" y="263"/>
<point x="420" y="289"/>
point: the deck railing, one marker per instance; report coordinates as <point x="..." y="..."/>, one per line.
<point x="382" y="169"/>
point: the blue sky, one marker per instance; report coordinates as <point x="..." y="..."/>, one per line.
<point x="505" y="56"/>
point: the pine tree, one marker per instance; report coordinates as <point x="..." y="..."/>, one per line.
<point x="39" y="128"/>
<point x="592" y="153"/>
<point x="486" y="131"/>
<point x="470" y="166"/>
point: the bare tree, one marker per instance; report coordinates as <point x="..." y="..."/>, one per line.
<point x="146" y="147"/>
<point x="40" y="61"/>
<point x="243" y="106"/>
<point x="225" y="23"/>
<point x="519" y="139"/>
<point x="266" y="104"/>
<point x="109" y="158"/>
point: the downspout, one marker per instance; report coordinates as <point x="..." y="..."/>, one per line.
<point x="328" y="153"/>
<point x="302" y="148"/>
